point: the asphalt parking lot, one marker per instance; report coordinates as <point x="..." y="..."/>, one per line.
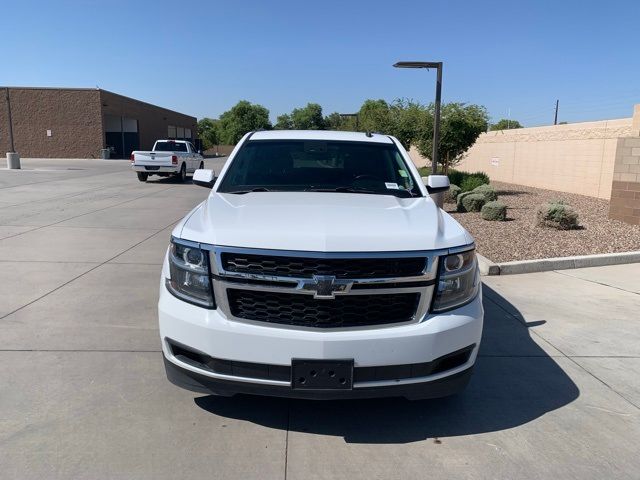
<point x="83" y="394"/>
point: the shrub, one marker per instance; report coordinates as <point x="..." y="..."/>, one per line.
<point x="483" y="176"/>
<point x="457" y="177"/>
<point x="488" y="191"/>
<point x="424" y="171"/>
<point x="473" y="202"/>
<point x="471" y="183"/>
<point x="459" y="198"/>
<point x="557" y="214"/>
<point x="494" y="211"/>
<point x="451" y="194"/>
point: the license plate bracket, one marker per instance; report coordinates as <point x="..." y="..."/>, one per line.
<point x="322" y="374"/>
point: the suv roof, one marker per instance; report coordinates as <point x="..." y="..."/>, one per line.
<point x="320" y="135"/>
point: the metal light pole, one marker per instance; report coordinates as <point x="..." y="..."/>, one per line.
<point x="436" y="120"/>
<point x="13" y="159"/>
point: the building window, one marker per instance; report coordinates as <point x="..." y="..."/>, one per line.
<point x="180" y="134"/>
<point x="187" y="133"/>
<point x="172" y="132"/>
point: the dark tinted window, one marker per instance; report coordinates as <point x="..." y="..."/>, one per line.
<point x="295" y="165"/>
<point x="170" y="147"/>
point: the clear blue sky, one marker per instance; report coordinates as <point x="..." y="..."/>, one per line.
<point x="202" y="57"/>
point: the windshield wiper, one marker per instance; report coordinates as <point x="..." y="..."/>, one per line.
<point x="242" y="192"/>
<point x="395" y="193"/>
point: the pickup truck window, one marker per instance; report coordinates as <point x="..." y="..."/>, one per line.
<point x="170" y="147"/>
<point x="323" y="166"/>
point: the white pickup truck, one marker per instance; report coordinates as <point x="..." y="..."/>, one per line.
<point x="320" y="267"/>
<point x="168" y="157"/>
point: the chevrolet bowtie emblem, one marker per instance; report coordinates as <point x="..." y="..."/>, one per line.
<point x="326" y="286"/>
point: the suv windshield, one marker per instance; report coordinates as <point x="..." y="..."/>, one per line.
<point x="324" y="166"/>
<point x="170" y="147"/>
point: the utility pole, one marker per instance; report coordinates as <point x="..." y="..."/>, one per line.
<point x="555" y="119"/>
<point x="13" y="159"/>
<point x="11" y="146"/>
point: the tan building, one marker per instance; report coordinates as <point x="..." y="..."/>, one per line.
<point x="79" y="122"/>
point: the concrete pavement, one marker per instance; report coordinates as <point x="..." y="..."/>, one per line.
<point x="556" y="392"/>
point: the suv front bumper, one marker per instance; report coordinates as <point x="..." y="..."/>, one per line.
<point x="197" y="382"/>
<point x="210" y="333"/>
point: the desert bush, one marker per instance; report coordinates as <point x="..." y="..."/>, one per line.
<point x="473" y="202"/>
<point x="458" y="176"/>
<point x="471" y="183"/>
<point x="494" y="211"/>
<point x="557" y="214"/>
<point x="451" y="194"/>
<point x="459" y="199"/>
<point x="488" y="191"/>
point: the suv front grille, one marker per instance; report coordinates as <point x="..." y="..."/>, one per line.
<point x="306" y="311"/>
<point x="308" y="267"/>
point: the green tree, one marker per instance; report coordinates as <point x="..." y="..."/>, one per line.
<point x="334" y="121"/>
<point x="403" y="118"/>
<point x="460" y="126"/>
<point x="283" y="122"/>
<point x="407" y="120"/>
<point x="506" y="124"/>
<point x="308" y="118"/>
<point x="242" y="118"/>
<point x="344" y="122"/>
<point x="375" y="116"/>
<point x="208" y="132"/>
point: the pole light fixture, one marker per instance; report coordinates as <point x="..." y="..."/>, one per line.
<point x="436" y="123"/>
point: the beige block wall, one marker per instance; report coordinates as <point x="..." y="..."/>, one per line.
<point x="574" y="158"/>
<point x="635" y="126"/>
<point x="625" y="195"/>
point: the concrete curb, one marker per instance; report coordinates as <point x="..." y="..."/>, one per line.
<point x="487" y="267"/>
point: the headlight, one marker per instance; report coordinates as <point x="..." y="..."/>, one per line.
<point x="458" y="281"/>
<point x="189" y="271"/>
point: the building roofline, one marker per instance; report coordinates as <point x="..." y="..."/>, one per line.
<point x="96" y="89"/>
<point x="17" y="87"/>
<point x="146" y="103"/>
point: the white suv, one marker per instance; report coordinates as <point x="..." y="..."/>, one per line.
<point x="320" y="267"/>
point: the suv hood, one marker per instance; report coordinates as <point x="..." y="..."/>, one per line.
<point x="321" y="222"/>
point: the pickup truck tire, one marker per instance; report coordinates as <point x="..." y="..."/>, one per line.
<point x="201" y="166"/>
<point x="183" y="173"/>
<point x="142" y="176"/>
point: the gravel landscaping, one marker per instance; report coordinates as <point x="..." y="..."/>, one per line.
<point x="519" y="238"/>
